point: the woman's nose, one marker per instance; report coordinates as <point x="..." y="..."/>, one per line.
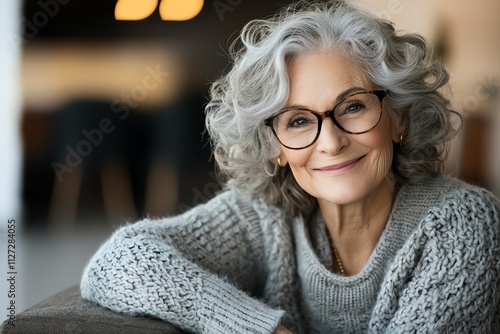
<point x="331" y="139"/>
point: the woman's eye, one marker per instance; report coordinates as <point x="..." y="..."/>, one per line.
<point x="351" y="108"/>
<point x="354" y="107"/>
<point x="299" y="122"/>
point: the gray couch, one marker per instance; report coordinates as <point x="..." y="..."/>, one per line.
<point x="67" y="313"/>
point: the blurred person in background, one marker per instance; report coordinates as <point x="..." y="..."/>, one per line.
<point x="329" y="131"/>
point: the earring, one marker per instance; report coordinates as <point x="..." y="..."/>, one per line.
<point x="401" y="139"/>
<point x="279" y="162"/>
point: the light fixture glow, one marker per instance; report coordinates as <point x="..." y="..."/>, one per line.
<point x="134" y="10"/>
<point x="180" y="10"/>
<point x="170" y="10"/>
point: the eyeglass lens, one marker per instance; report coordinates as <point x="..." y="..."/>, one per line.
<point x="357" y="113"/>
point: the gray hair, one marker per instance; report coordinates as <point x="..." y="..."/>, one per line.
<point x="257" y="87"/>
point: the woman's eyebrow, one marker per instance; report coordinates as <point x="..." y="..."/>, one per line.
<point x="339" y="98"/>
<point x="348" y="92"/>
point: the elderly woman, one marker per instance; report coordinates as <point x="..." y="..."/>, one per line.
<point x="336" y="217"/>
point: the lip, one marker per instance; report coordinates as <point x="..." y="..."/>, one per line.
<point x="341" y="167"/>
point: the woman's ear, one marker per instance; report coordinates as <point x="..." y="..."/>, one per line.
<point x="398" y="130"/>
<point x="397" y="134"/>
<point x="282" y="161"/>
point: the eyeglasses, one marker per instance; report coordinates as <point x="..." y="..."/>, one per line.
<point x="299" y="128"/>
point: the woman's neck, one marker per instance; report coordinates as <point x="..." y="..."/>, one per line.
<point x="355" y="228"/>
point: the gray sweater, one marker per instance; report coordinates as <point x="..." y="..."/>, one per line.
<point x="239" y="265"/>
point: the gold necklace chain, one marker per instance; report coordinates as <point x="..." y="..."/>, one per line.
<point x="341" y="268"/>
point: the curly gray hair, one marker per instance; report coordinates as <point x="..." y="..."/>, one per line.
<point x="257" y="87"/>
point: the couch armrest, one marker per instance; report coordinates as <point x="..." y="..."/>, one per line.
<point x="67" y="312"/>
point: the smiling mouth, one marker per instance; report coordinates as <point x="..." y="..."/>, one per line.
<point x="342" y="166"/>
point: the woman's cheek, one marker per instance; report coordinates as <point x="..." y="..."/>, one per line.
<point x="298" y="158"/>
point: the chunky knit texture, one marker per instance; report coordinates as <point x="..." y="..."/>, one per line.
<point x="238" y="265"/>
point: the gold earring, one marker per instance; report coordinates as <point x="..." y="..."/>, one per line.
<point x="279" y="162"/>
<point x="400" y="139"/>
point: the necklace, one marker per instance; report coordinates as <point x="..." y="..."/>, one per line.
<point x="341" y="268"/>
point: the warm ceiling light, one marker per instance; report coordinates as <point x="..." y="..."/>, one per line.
<point x="170" y="10"/>
<point x="134" y="10"/>
<point x="180" y="10"/>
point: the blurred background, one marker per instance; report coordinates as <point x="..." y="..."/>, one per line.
<point x="102" y="119"/>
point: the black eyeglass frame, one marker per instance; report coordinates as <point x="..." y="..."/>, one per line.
<point x="380" y="93"/>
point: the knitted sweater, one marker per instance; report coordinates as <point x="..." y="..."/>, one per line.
<point x="239" y="265"/>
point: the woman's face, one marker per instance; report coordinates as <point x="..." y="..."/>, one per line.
<point x="339" y="167"/>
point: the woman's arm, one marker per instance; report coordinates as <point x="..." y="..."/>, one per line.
<point x="448" y="281"/>
<point x="185" y="269"/>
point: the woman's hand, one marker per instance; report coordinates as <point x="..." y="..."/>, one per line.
<point x="282" y="330"/>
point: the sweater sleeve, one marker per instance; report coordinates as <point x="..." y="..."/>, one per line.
<point x="449" y="280"/>
<point x="196" y="271"/>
